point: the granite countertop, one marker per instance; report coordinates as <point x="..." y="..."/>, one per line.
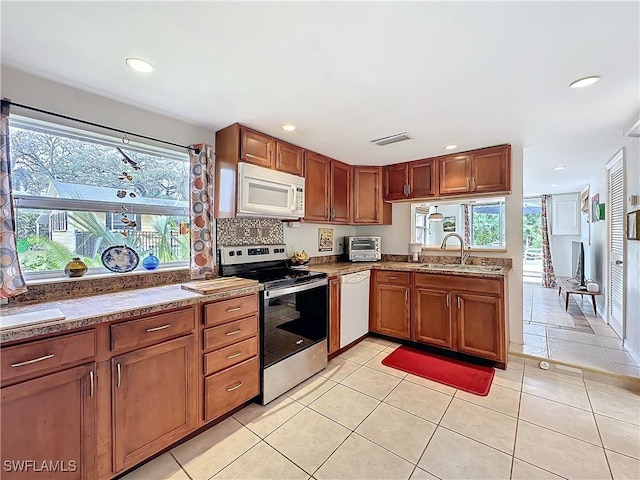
<point x="94" y="309"/>
<point x="343" y="268"/>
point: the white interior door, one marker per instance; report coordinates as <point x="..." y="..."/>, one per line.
<point x="615" y="295"/>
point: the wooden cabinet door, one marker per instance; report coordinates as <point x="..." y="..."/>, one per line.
<point x="256" y="148"/>
<point x="391" y="310"/>
<point x="51" y="419"/>
<point x="432" y="317"/>
<point x="334" y="314"/>
<point x="422" y="178"/>
<point x="480" y="330"/>
<point x="368" y="206"/>
<point x="491" y="170"/>
<point x="396" y="182"/>
<point x="317" y="173"/>
<point x="154" y="399"/>
<point x="455" y="174"/>
<point x="340" y="192"/>
<point x="288" y="158"/>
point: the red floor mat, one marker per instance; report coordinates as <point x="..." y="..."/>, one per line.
<point x="455" y="373"/>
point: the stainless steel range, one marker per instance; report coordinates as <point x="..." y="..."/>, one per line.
<point x="293" y="314"/>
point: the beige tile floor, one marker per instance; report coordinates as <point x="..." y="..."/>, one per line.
<point x="356" y="420"/>
<point x="576" y="336"/>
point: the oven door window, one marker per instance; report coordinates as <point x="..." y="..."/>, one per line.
<point x="293" y="323"/>
<point x="363" y="245"/>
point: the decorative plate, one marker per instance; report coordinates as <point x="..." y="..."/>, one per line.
<point x="120" y="258"/>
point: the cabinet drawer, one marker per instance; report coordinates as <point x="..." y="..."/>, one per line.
<point x="226" y="390"/>
<point x="223" y="335"/>
<point x="228" y="356"/>
<point x="151" y="329"/>
<point x="400" y="278"/>
<point x="232" y="309"/>
<point x="45" y="355"/>
<point x="460" y="283"/>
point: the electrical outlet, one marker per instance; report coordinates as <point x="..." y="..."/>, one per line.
<point x="339" y="245"/>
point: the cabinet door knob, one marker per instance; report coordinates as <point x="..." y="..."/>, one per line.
<point x="459" y="303"/>
<point x="468" y="184"/>
<point x="91" y="389"/>
<point x="448" y="301"/>
<point x="119" y="371"/>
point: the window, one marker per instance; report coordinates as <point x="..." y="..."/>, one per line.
<point x="486" y="223"/>
<point x="76" y="194"/>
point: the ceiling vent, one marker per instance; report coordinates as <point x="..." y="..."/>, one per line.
<point x="398" y="137"/>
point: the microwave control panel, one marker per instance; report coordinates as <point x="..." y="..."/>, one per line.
<point x="299" y="199"/>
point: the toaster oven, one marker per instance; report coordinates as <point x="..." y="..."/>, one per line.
<point x="363" y="248"/>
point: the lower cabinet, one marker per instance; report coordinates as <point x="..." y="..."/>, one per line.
<point x="154" y="399"/>
<point x="390" y="312"/>
<point x="432" y="321"/>
<point x="465" y="316"/>
<point x="49" y="425"/>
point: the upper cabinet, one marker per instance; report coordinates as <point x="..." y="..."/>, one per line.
<point x="409" y="180"/>
<point x="268" y="152"/>
<point x="368" y="206"/>
<point x="327" y="189"/>
<point x="481" y="171"/>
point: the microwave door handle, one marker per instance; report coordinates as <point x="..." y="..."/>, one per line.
<point x="292" y="207"/>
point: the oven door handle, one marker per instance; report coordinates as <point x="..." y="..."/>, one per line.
<point x="268" y="294"/>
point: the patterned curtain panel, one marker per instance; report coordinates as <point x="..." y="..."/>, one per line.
<point x="202" y="222"/>
<point x="467" y="224"/>
<point x="548" y="275"/>
<point x="10" y="271"/>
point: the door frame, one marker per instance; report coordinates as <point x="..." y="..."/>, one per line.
<point x="618" y="157"/>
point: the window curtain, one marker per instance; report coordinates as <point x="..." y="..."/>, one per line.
<point x="548" y="274"/>
<point x="10" y="272"/>
<point x="466" y="224"/>
<point x="202" y="221"/>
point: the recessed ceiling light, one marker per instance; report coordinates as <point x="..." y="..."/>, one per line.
<point x="560" y="167"/>
<point x="450" y="147"/>
<point x="584" y="82"/>
<point x="554" y="184"/>
<point x="288" y="127"/>
<point x="140" y="65"/>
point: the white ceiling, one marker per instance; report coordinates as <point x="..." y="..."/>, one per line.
<point x="473" y="74"/>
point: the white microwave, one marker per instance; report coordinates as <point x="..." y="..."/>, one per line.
<point x="268" y="193"/>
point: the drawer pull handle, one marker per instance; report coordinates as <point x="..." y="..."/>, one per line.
<point x="234" y="355"/>
<point x="392" y="278"/>
<point x="91" y="383"/>
<point x="155" y="329"/>
<point x="35" y="360"/>
<point x="229" y="310"/>
<point x="299" y="341"/>
<point x="235" y="332"/>
<point x="235" y="387"/>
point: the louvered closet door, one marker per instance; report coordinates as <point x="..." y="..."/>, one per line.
<point x="616" y="236"/>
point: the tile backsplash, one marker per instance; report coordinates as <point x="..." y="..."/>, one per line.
<point x="249" y="231"/>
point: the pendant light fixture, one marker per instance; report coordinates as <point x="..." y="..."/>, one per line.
<point x="436" y="216"/>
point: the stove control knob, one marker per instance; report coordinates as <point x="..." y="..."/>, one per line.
<point x="231" y="254"/>
<point x="238" y="252"/>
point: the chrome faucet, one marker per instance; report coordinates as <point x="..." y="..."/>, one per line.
<point x="463" y="255"/>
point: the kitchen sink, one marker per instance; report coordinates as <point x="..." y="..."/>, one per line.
<point x="463" y="268"/>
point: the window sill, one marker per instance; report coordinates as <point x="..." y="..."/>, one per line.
<point x="452" y="248"/>
<point x="100" y="276"/>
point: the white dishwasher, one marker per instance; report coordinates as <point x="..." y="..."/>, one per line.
<point x="354" y="306"/>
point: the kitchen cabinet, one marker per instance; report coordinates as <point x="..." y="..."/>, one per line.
<point x="269" y="152"/>
<point x="231" y="349"/>
<point x="327" y="189"/>
<point x="467" y="315"/>
<point x="334" y="314"/>
<point x="432" y="321"/>
<point x="416" y="179"/>
<point x="390" y="304"/>
<point x="368" y="205"/>
<point x="51" y="419"/>
<point x="154" y="399"/>
<point x="481" y="171"/>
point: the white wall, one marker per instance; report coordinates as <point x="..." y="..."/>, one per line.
<point x="396" y="237"/>
<point x="39" y="92"/>
<point x="305" y="237"/>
